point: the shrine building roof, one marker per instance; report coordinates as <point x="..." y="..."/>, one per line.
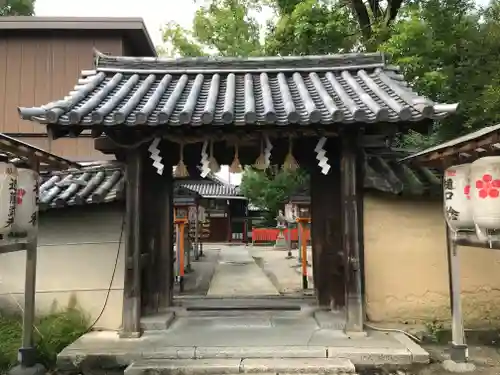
<point x="334" y="89"/>
<point x="463" y="149"/>
<point x="105" y="183"/>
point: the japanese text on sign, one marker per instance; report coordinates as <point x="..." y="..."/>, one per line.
<point x="449" y="187"/>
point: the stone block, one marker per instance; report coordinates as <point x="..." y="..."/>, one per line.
<point x="297" y="366"/>
<point x="260" y="352"/>
<point x="170" y="352"/>
<point x="184" y="367"/>
<point x="419" y="354"/>
<point x="157" y="322"/>
<point x="372" y="356"/>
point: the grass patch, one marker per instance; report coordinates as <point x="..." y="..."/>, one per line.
<point x="53" y="332"/>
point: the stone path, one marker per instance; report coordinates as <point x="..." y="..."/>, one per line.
<point x="285" y="273"/>
<point x="237" y="274"/>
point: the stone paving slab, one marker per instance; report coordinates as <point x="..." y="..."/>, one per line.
<point x="105" y="348"/>
<point x="247" y="365"/>
<point x="261" y="352"/>
<point x="297" y="366"/>
<point x="237" y="274"/>
<point x="184" y="367"/>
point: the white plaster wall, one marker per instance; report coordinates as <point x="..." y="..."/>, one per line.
<point x="77" y="249"/>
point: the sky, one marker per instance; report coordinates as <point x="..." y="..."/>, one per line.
<point x="154" y="12"/>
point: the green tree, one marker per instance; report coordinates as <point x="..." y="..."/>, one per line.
<point x="271" y="190"/>
<point x="17" y="8"/>
<point x="311" y="27"/>
<point x="220" y="27"/>
<point x="330" y="26"/>
<point x="448" y="53"/>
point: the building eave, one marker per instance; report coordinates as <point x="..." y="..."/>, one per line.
<point x="133" y="28"/>
<point x="354" y="89"/>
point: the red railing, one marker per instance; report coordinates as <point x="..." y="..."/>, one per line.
<point x="270" y="234"/>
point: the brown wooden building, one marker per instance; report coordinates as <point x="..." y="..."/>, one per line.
<point x="42" y="57"/>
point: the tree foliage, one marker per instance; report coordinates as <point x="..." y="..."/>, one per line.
<point x="271" y="190"/>
<point x="222" y="27"/>
<point x="17" y="8"/>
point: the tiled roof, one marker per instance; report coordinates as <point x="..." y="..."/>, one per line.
<point x="211" y="189"/>
<point x="19" y="152"/>
<point x="386" y="174"/>
<point x="106" y="183"/>
<point x="462" y="145"/>
<point x="274" y="90"/>
<point x="94" y="184"/>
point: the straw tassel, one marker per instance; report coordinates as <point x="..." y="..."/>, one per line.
<point x="260" y="163"/>
<point x="235" y="166"/>
<point x="290" y="164"/>
<point x="181" y="170"/>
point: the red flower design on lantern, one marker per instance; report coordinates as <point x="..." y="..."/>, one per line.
<point x="467" y="191"/>
<point x="488" y="187"/>
<point x="20" y="194"/>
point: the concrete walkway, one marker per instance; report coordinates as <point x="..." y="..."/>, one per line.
<point x="237" y="274"/>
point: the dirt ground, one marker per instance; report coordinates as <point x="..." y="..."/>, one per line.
<point x="485" y="358"/>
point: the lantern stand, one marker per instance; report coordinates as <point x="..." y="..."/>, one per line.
<point x="459" y="351"/>
<point x="303" y="220"/>
<point x="27" y="354"/>
<point x="300" y="206"/>
<point x="289" y="219"/>
<point x="289" y="241"/>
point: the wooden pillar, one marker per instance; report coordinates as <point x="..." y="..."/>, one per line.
<point x="132" y="278"/>
<point x="165" y="266"/>
<point x="352" y="156"/>
<point x="326" y="230"/>
<point x="157" y="229"/>
<point x="360" y="195"/>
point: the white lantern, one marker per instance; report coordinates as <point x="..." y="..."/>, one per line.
<point x="27" y="207"/>
<point x="485" y="193"/>
<point x="8" y="192"/>
<point x="457" y="201"/>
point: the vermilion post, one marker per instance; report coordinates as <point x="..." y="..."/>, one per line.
<point x="181" y="256"/>
<point x="303" y="250"/>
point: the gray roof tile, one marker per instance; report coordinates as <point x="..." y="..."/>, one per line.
<point x="106" y="183"/>
<point x="209" y="188"/>
<point x="276" y="90"/>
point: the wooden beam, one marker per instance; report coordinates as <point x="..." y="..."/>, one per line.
<point x="351" y="158"/>
<point x="105" y="145"/>
<point x="131" y="326"/>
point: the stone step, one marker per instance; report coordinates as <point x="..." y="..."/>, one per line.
<point x="337" y="366"/>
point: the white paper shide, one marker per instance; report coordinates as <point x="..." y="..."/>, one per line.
<point x="457" y="198"/>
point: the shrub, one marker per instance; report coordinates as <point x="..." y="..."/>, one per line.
<point x="10" y="340"/>
<point x="53" y="332"/>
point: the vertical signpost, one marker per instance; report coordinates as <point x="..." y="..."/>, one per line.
<point x="20" y="226"/>
<point x="458" y="216"/>
<point x="181" y="219"/>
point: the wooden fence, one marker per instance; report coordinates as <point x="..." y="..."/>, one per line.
<point x="270" y="234"/>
